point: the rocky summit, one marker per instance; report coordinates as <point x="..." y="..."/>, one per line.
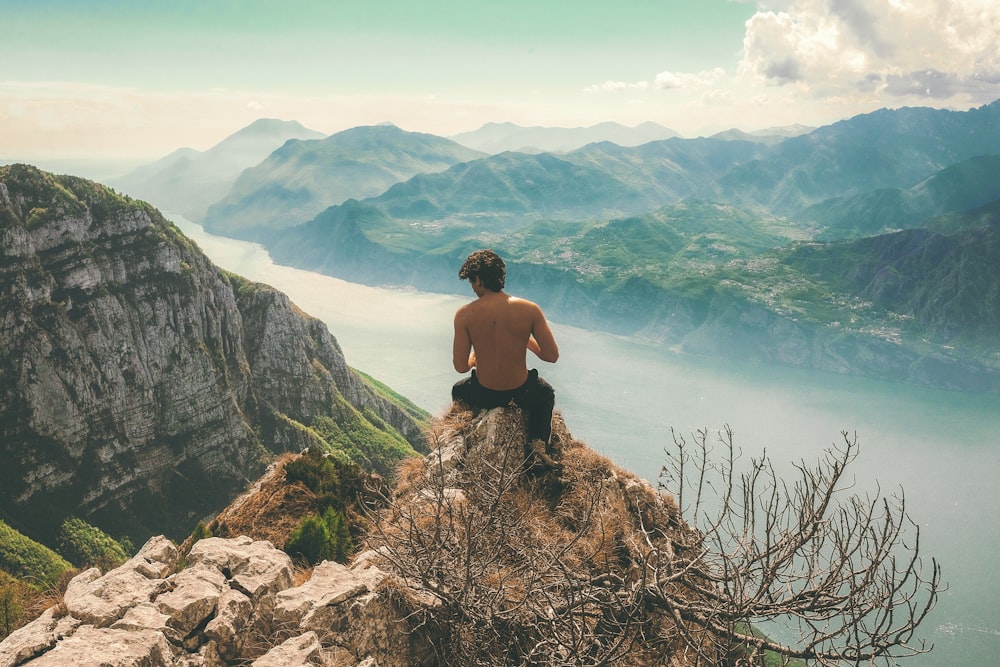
<point x="141" y="387"/>
<point x="241" y="601"/>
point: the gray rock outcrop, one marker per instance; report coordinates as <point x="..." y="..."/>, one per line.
<point x="232" y="602"/>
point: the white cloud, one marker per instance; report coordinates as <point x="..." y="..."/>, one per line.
<point x="616" y="87"/>
<point x="670" y="80"/>
<point x="718" y="97"/>
<point x="940" y="49"/>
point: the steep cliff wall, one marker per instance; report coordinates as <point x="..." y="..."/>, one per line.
<point x="141" y="386"/>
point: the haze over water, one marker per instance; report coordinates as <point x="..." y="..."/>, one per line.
<point x="622" y="396"/>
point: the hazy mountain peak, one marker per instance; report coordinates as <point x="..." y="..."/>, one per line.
<point x="262" y="125"/>
<point x="269" y="131"/>
<point x="187" y="181"/>
<point x="499" y="137"/>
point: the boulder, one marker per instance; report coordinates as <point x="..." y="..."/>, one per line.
<point x="331" y="583"/>
<point x="196" y="591"/>
<point x="109" y="647"/>
<point x="36" y="637"/>
<point x="302" y="651"/>
<point x="255" y="568"/>
<point x="232" y="618"/>
<point x="100" y="601"/>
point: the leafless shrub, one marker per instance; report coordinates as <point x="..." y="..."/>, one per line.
<point x="842" y="571"/>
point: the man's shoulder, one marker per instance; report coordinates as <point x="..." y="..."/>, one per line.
<point x="523" y="304"/>
<point x="520" y="300"/>
<point x="467" y="310"/>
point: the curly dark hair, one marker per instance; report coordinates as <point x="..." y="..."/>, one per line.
<point x="487" y="266"/>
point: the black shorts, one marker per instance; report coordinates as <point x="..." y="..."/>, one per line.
<point x="536" y="397"/>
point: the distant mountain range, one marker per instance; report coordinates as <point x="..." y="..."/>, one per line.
<point x="500" y="193"/>
<point x="885" y="149"/>
<point x="302" y="178"/>
<point x="496" y="138"/>
<point x="964" y="186"/>
<point x="701" y="244"/>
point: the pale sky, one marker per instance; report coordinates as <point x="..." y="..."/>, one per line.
<point x="134" y="79"/>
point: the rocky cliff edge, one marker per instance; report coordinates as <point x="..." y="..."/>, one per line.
<point x="242" y="601"/>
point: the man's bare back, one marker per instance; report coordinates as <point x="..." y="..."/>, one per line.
<point x="492" y="337"/>
<point x="493" y="334"/>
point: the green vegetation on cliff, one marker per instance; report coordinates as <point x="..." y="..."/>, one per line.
<point x="24" y="558"/>
<point x="87" y="545"/>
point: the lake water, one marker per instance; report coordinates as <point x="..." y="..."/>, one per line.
<point x="623" y="396"/>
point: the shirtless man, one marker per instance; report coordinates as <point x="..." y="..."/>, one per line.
<point x="492" y="337"/>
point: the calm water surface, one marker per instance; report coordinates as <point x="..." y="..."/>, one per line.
<point x="622" y="396"/>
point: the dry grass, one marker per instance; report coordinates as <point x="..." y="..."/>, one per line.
<point x="301" y="574"/>
<point x="51" y="598"/>
<point x="270" y="510"/>
<point x="409" y="474"/>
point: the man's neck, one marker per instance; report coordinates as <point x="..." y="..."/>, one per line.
<point x="488" y="293"/>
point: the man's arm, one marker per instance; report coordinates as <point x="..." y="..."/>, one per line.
<point x="462" y="356"/>
<point x="541" y="341"/>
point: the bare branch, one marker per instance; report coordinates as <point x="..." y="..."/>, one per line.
<point x="838" y="570"/>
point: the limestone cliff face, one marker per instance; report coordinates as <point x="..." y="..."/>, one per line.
<point x="137" y="387"/>
<point x="276" y="332"/>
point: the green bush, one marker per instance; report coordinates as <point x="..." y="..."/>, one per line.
<point x="340" y="535"/>
<point x="319" y="538"/>
<point x="335" y="482"/>
<point x="310" y="541"/>
<point x="200" y="532"/>
<point x="87" y="545"/>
